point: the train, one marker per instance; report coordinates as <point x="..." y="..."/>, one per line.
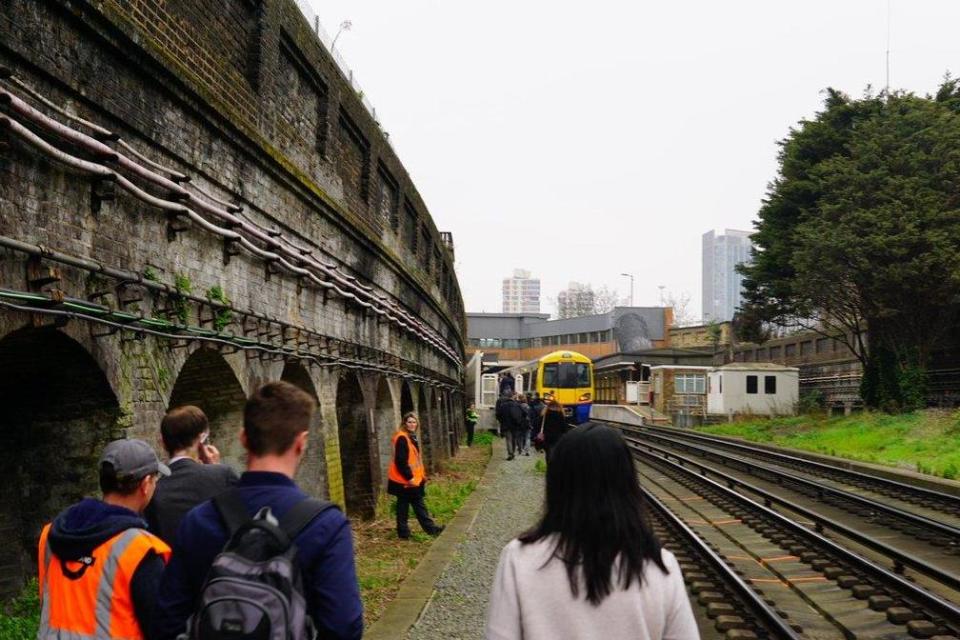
<point x="565" y="375"/>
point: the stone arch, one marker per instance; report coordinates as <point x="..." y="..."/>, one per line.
<point x="386" y="420"/>
<point x="310" y="476"/>
<point x="207" y="381"/>
<point x="355" y="459"/>
<point x="59" y="411"/>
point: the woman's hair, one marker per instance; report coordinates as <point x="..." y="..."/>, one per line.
<point x="595" y="508"/>
<point x="408" y="414"/>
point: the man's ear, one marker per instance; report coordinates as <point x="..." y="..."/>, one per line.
<point x="301" y="442"/>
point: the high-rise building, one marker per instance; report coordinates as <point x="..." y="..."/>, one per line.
<point x="722" y="285"/>
<point x="576" y="300"/>
<point x="521" y="293"/>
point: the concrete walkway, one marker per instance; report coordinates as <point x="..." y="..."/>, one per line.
<point x="445" y="598"/>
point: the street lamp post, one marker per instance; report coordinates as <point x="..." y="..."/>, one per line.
<point x="629" y="275"/>
<point x="344" y="26"/>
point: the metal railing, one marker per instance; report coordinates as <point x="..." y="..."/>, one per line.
<point x="345" y="69"/>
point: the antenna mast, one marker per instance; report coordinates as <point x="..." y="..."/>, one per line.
<point x="887" y="90"/>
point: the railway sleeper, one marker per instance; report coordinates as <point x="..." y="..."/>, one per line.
<point x="917" y="622"/>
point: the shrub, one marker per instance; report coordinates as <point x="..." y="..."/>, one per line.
<point x="20" y="617"/>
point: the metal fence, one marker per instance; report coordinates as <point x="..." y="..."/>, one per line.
<point x="345" y="69"/>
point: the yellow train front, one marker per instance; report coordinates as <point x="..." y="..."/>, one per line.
<point x="565" y="375"/>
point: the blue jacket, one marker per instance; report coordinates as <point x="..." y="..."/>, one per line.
<point x="325" y="555"/>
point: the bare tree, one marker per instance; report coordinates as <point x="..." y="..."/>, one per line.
<point x="682" y="315"/>
<point x="582" y="300"/>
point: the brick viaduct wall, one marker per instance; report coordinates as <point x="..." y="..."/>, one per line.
<point x="240" y="97"/>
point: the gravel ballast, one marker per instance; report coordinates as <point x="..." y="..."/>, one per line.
<point x="458" y="608"/>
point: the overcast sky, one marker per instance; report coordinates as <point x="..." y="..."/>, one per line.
<point x="585" y="140"/>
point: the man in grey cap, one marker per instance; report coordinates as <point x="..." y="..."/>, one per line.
<point x="98" y="547"/>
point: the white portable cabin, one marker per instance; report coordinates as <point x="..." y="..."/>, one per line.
<point x="758" y="388"/>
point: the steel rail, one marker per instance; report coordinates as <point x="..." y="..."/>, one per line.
<point x="922" y="492"/>
<point x="912" y="519"/>
<point x="766" y="614"/>
<point x="900" y="558"/>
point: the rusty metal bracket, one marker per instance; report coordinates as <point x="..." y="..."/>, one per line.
<point x="176" y="223"/>
<point x="101" y="190"/>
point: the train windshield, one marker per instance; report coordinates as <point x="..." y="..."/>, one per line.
<point x="566" y="375"/>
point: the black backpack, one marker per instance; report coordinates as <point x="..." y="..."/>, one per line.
<point x="253" y="590"/>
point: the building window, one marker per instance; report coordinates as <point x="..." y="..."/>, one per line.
<point x="823" y="345"/>
<point x="761" y="355"/>
<point x="584" y="338"/>
<point x="806" y="348"/>
<point x="775" y="353"/>
<point x="690" y="383"/>
<point x="720" y="382"/>
<point x="770" y="384"/>
<point x="752" y="384"/>
<point x="790" y="350"/>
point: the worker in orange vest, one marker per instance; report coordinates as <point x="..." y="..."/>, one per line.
<point x="407" y="479"/>
<point x="99" y="567"/>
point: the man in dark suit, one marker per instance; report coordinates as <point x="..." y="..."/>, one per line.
<point x="196" y="475"/>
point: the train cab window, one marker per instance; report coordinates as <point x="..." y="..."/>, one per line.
<point x="751" y="384"/>
<point x="550" y="377"/>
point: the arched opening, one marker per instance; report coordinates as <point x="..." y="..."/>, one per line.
<point x="439" y="427"/>
<point x="310" y="476"/>
<point x="386" y="421"/>
<point x="208" y="382"/>
<point x="354" y="448"/>
<point x="59" y="411"/>
<point x="426" y="430"/>
<point x="406" y="398"/>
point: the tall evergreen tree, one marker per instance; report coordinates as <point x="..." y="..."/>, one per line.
<point x="860" y="234"/>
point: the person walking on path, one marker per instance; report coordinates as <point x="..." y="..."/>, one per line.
<point x="470" y="421"/>
<point x="525" y="424"/>
<point x="407" y="478"/>
<point x="554" y="426"/>
<point x="276" y="420"/>
<point x="511" y="424"/>
<point x="592" y="567"/>
<point x="99" y="568"/>
<point x="195" y="472"/>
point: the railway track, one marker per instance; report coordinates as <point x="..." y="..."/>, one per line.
<point x="825" y="578"/>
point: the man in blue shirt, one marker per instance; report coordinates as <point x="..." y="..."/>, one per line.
<point x="275" y="423"/>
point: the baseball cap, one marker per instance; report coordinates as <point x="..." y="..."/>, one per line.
<point x="133" y="459"/>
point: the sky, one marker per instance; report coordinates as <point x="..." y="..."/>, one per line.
<point x="582" y="140"/>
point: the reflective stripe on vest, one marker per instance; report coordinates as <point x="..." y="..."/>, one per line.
<point x="413" y="460"/>
<point x="96" y="604"/>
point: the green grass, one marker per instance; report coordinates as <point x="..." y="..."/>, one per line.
<point x="540" y="466"/>
<point x="383" y="561"/>
<point x="20" y="617"/>
<point x="926" y="441"/>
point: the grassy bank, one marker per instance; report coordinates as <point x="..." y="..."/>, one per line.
<point x="20" y="617"/>
<point x="383" y="561"/>
<point x="924" y="441"/>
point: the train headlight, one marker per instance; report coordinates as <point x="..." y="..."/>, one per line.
<point x="585" y="397"/>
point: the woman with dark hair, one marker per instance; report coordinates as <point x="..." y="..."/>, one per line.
<point x="407" y="478"/>
<point x="554" y="426"/>
<point x="592" y="567"/>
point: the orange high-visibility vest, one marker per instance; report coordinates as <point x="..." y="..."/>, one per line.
<point x="91" y="599"/>
<point x="413" y="459"/>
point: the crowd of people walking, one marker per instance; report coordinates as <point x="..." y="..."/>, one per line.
<point x="529" y="419"/>
<point x="190" y="549"/>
